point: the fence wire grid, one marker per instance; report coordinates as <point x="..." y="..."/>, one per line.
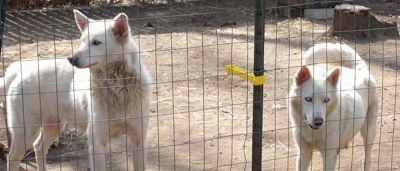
<point x="201" y="117"/>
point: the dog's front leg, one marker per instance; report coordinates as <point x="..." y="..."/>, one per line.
<point x="332" y="145"/>
<point x="304" y="155"/>
<point x="98" y="135"/>
<point x="138" y="138"/>
<point x="329" y="159"/>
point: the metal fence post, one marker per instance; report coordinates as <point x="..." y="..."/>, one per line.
<point x="2" y="20"/>
<point x="258" y="89"/>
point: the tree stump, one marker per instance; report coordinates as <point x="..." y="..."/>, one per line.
<point x="357" y="22"/>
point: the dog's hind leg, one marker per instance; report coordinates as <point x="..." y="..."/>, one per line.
<point x="22" y="139"/>
<point x="138" y="140"/>
<point x="47" y="136"/>
<point x="368" y="132"/>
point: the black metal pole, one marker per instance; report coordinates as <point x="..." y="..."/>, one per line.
<point x="2" y="20"/>
<point x="258" y="89"/>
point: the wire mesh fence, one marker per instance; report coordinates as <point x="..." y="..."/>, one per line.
<point x="201" y="117"/>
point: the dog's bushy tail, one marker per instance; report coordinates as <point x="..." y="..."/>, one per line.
<point x="335" y="54"/>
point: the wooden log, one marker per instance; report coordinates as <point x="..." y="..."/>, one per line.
<point x="309" y="4"/>
<point x="357" y="22"/>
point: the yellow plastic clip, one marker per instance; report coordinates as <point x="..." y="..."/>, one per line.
<point x="235" y="70"/>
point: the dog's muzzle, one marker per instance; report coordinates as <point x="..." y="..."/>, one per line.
<point x="74" y="61"/>
<point x="318" y="122"/>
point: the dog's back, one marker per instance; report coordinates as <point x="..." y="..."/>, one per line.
<point x="339" y="55"/>
<point x="334" y="54"/>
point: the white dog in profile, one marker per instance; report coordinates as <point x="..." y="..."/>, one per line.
<point x="117" y="97"/>
<point x="39" y="107"/>
<point x="333" y="97"/>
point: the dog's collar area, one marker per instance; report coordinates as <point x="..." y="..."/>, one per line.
<point x="92" y="64"/>
<point x="86" y="66"/>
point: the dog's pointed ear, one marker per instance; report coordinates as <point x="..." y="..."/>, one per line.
<point x="302" y="75"/>
<point x="120" y="28"/>
<point x="81" y="20"/>
<point x="333" y="78"/>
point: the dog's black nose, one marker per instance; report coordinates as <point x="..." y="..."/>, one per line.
<point x="73" y="60"/>
<point x="318" y="122"/>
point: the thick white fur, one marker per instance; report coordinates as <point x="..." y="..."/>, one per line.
<point x="117" y="97"/>
<point x="337" y="74"/>
<point x="38" y="107"/>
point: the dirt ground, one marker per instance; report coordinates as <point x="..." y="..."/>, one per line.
<point x="201" y="118"/>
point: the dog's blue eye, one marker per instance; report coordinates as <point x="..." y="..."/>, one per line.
<point x="309" y="99"/>
<point x="327" y="99"/>
<point x="96" y="42"/>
